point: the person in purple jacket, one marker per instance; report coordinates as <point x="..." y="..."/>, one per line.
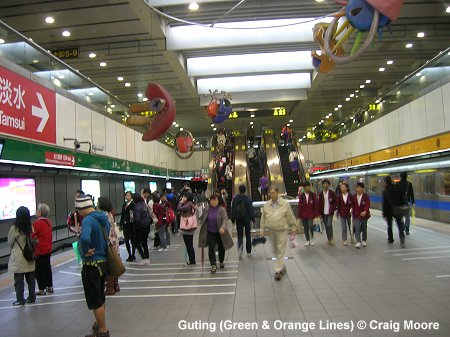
<point x="295" y="166"/>
<point x="264" y="188"/>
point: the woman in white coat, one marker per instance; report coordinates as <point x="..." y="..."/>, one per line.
<point x="17" y="263"/>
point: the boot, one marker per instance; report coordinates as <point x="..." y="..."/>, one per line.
<point x="116" y="284"/>
<point x="110" y="289"/>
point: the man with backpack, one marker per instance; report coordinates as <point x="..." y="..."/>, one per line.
<point x="242" y="213"/>
<point x="142" y="221"/>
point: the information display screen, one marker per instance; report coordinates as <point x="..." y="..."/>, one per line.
<point x="91" y="187"/>
<point x="129" y="186"/>
<point x="16" y="192"/>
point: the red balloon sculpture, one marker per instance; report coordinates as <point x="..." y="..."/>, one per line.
<point x="162" y="104"/>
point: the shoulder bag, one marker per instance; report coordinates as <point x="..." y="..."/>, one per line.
<point x="114" y="263"/>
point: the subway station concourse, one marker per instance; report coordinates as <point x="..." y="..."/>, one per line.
<point x="297" y="154"/>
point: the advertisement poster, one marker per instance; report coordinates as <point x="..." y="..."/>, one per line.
<point x="16" y="192"/>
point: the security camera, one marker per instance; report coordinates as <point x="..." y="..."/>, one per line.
<point x="76" y="145"/>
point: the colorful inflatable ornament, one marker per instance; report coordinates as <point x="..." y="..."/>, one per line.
<point x="323" y="63"/>
<point x="220" y="108"/>
<point x="162" y="112"/>
<point x="361" y="16"/>
<point x="184" y="144"/>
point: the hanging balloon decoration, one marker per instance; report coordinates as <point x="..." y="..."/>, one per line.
<point x="220" y="108"/>
<point x="158" y="113"/>
<point x="184" y="144"/>
<point x="361" y="16"/>
<point x="323" y="63"/>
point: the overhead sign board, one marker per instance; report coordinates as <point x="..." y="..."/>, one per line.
<point x="27" y="109"/>
<point x="68" y="53"/>
<point x="59" y="159"/>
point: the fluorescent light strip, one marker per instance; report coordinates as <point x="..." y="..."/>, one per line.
<point x="249" y="63"/>
<point x="163" y="3"/>
<point x="85" y="169"/>
<point x="410" y="167"/>
<point x="245" y="33"/>
<point x="255" y="83"/>
<point x="262" y="96"/>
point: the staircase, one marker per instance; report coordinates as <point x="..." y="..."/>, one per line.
<point x="255" y="174"/>
<point x="288" y="175"/>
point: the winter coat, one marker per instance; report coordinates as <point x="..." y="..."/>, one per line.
<point x="43" y="234"/>
<point x="125" y="219"/>
<point x="17" y="262"/>
<point x="92" y="236"/>
<point x="278" y="217"/>
<point x="158" y="209"/>
<point x="222" y="221"/>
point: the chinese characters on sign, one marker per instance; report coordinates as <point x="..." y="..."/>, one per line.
<point x="279" y="112"/>
<point x="26" y="109"/>
<point x="59" y="159"/>
<point x="70" y="53"/>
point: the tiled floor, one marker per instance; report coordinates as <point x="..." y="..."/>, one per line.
<point x="334" y="285"/>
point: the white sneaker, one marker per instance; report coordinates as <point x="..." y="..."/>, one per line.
<point x="165" y="250"/>
<point x="358" y="245"/>
<point x="312" y="243"/>
<point x="160" y="249"/>
<point x="364" y="243"/>
<point x="168" y="246"/>
<point x="307" y="243"/>
<point x="145" y="262"/>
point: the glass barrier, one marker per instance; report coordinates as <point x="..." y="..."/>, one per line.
<point x="432" y="74"/>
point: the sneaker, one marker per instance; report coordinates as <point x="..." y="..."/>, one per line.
<point x="222" y="265"/>
<point x="41" y="293"/>
<point x="249" y="255"/>
<point x="189" y="263"/>
<point x="352" y="240"/>
<point x="364" y="244"/>
<point x="30" y="301"/>
<point x="165" y="250"/>
<point x="50" y="290"/>
<point x="331" y="242"/>
<point x="358" y="245"/>
<point x="402" y="244"/>
<point x="345" y="243"/>
<point x="390" y="240"/>
<point x="240" y="251"/>
<point x="17" y="303"/>
<point x="168" y="246"/>
<point x="312" y="243"/>
<point x="99" y="334"/>
<point x="144" y="262"/>
<point x="160" y="249"/>
<point x="307" y="243"/>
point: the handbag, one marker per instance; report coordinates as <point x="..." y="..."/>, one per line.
<point x="188" y="223"/>
<point x="114" y="263"/>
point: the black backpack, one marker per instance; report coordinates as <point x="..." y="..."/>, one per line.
<point x="28" y="250"/>
<point x="240" y="209"/>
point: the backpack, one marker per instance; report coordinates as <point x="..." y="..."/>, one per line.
<point x="170" y="215"/>
<point x="29" y="250"/>
<point x="142" y="216"/>
<point x="240" y="209"/>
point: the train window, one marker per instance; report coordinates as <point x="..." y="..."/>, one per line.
<point x="443" y="183"/>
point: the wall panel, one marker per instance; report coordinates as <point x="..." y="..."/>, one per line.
<point x="65" y="121"/>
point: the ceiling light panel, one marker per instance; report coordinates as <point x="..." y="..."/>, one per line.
<point x="249" y="63"/>
<point x="254" y="83"/>
<point x="202" y="37"/>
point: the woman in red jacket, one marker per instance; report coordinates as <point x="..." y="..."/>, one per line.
<point x="361" y="213"/>
<point x="344" y="206"/>
<point x="307" y="211"/>
<point x="43" y="233"/>
<point x="161" y="225"/>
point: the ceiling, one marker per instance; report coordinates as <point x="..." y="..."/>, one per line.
<point x="129" y="37"/>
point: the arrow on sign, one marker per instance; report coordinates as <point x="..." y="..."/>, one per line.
<point x="40" y="112"/>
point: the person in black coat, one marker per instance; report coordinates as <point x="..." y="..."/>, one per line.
<point x="242" y="213"/>
<point x="406" y="188"/>
<point x="127" y="225"/>
<point x="392" y="200"/>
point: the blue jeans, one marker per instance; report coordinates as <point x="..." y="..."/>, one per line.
<point x="345" y="223"/>
<point x="164" y="236"/>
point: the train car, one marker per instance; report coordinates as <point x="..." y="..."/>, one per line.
<point x="430" y="179"/>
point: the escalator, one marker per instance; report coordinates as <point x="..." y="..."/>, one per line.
<point x="291" y="187"/>
<point x="241" y="170"/>
<point x="274" y="172"/>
